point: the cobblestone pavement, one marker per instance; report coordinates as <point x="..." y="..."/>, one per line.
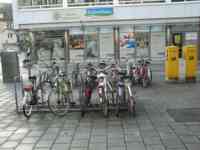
<point x="152" y="129"/>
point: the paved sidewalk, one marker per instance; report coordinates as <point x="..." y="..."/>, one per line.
<point x="152" y="129"/>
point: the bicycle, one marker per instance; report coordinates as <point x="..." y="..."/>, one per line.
<point x="60" y="98"/>
<point x="88" y="80"/>
<point x="33" y="93"/>
<point x="125" y="94"/>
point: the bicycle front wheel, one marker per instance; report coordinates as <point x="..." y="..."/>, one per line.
<point x="57" y="102"/>
<point x="27" y="107"/>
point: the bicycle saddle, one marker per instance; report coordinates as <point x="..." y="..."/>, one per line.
<point x="32" y="78"/>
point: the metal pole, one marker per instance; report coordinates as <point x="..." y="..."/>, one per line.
<point x="66" y="51"/>
<point x="149" y="45"/>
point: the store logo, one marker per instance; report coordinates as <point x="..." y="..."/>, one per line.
<point x="100" y="11"/>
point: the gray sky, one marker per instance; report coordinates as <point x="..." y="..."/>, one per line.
<point x="5" y="1"/>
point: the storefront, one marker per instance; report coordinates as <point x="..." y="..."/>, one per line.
<point x="93" y="43"/>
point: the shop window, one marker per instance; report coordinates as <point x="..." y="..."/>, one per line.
<point x="76" y="44"/>
<point x="91" y="43"/>
<point x="10" y="35"/>
<point x="38" y="2"/>
<point x="142" y="34"/>
<point x="127" y="42"/>
<point x="106" y="43"/>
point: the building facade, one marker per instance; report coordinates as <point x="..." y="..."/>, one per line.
<point x="82" y="30"/>
<point x="8" y="38"/>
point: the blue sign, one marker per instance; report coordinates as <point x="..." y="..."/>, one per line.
<point x="100" y="11"/>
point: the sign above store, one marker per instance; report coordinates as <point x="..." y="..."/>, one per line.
<point x="99" y="11"/>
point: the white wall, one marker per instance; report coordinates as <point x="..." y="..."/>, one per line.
<point x="4" y="40"/>
<point x="63" y="17"/>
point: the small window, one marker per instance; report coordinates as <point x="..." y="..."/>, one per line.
<point x="10" y="35"/>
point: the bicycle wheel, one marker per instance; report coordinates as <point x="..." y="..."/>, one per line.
<point x="57" y="102"/>
<point x="131" y="106"/>
<point x="105" y="107"/>
<point x="117" y="105"/>
<point x="144" y="83"/>
<point x="43" y="91"/>
<point x="27" y="108"/>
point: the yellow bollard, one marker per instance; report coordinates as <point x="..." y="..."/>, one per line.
<point x="190" y="56"/>
<point x="172" y="63"/>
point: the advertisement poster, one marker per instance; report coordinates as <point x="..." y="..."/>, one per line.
<point x="127" y="45"/>
<point x="76" y="45"/>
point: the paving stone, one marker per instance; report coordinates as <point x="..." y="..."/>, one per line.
<point x="5" y="134"/>
<point x="79" y="143"/>
<point x="25" y="147"/>
<point x="97" y="146"/>
<point x="155" y="147"/>
<point x="60" y="147"/>
<point x="29" y="140"/>
<point x="35" y="133"/>
<point x="63" y="140"/>
<point x="117" y="148"/>
<point x="44" y="144"/>
<point x="135" y="146"/>
<point x="98" y="139"/>
<point x="193" y="146"/>
<point x="152" y="140"/>
<point x="190" y="139"/>
<point x="10" y="144"/>
<point x="17" y="136"/>
<point x="78" y="148"/>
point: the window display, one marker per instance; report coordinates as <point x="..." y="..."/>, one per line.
<point x="142" y="39"/>
<point x="106" y="43"/>
<point x="76" y="45"/>
<point x="127" y="42"/>
<point x="91" y="43"/>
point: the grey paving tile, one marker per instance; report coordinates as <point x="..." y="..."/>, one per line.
<point x="60" y="147"/>
<point x="152" y="141"/>
<point x="155" y="147"/>
<point x="25" y="147"/>
<point x="78" y="148"/>
<point x="29" y="140"/>
<point x="193" y="146"/>
<point x="135" y="146"/>
<point x="97" y="146"/>
<point x="79" y="143"/>
<point x="189" y="139"/>
<point x="10" y="144"/>
<point x="45" y="144"/>
<point x="17" y="136"/>
<point x="35" y="133"/>
<point x="5" y="134"/>
<point x="117" y="148"/>
<point x="98" y="139"/>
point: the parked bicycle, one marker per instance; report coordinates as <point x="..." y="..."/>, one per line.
<point x="125" y="94"/>
<point x="104" y="88"/>
<point x="61" y="97"/>
<point x="35" y="92"/>
<point x="141" y="73"/>
<point x="88" y="80"/>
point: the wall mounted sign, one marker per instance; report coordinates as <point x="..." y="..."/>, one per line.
<point x="100" y="11"/>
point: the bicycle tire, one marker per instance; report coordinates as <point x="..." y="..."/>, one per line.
<point x="132" y="107"/>
<point x="61" y="108"/>
<point x="117" y="107"/>
<point x="27" y="108"/>
<point x="105" y="108"/>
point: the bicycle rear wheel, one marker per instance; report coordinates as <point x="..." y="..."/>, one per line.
<point x="58" y="103"/>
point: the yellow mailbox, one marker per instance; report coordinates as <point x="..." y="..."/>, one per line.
<point x="190" y="56"/>
<point x="172" y="63"/>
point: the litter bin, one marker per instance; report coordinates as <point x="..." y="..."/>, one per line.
<point x="10" y="66"/>
<point x="172" y="63"/>
<point x="190" y="56"/>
